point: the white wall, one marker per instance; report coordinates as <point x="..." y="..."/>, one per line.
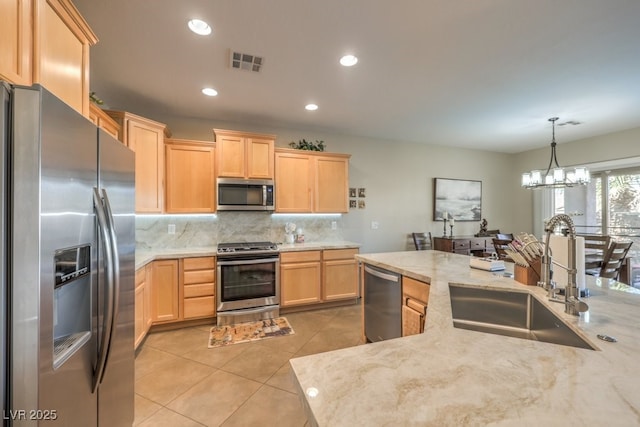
<point x="398" y="177"/>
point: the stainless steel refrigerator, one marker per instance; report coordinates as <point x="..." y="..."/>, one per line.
<point x="67" y="266"/>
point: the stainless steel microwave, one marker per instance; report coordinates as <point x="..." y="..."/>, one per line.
<point x="245" y="194"/>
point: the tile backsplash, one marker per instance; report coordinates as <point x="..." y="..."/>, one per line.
<point x="205" y="231"/>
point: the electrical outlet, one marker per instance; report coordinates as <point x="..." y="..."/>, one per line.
<point x="334" y="225"/>
<point x="172" y="229"/>
<point x="374" y="225"/>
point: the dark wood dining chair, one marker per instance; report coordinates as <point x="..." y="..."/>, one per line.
<point x="595" y="249"/>
<point x="500" y="245"/>
<point x="614" y="258"/>
<point x="422" y="241"/>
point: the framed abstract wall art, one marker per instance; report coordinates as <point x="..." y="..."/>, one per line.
<point x="459" y="199"/>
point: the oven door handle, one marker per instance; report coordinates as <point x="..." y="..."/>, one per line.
<point x="245" y="311"/>
<point x="248" y="261"/>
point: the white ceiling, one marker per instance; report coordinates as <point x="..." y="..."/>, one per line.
<point x="469" y="73"/>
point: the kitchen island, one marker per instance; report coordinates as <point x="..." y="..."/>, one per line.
<point x="452" y="377"/>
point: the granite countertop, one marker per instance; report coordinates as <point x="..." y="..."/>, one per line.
<point x="145" y="256"/>
<point x="448" y="376"/>
<point x="314" y="246"/>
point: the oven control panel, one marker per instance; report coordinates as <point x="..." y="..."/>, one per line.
<point x="247" y="247"/>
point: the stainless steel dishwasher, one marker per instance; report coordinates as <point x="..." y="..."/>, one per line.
<point x="382" y="304"/>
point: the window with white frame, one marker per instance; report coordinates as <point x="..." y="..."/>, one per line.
<point x="610" y="204"/>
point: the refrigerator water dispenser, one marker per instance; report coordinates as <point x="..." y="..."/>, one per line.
<point x="71" y="302"/>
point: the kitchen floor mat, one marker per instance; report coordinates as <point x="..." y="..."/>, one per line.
<point x="250" y="331"/>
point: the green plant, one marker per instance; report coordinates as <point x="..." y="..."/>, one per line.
<point x="303" y="144"/>
<point x="95" y="99"/>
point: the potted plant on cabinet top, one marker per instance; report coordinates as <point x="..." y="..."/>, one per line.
<point x="303" y="144"/>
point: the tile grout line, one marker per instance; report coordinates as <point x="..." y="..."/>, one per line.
<point x="328" y="321"/>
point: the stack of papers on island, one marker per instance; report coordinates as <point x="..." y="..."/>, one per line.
<point x="488" y="264"/>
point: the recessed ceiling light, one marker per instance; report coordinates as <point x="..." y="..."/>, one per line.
<point x="209" y="91"/>
<point x="199" y="27"/>
<point x="348" y="60"/>
<point x="311" y="107"/>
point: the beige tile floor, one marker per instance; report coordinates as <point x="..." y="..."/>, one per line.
<point x="181" y="382"/>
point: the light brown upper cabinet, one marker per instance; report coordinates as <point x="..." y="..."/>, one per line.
<point x="190" y="176"/>
<point x="332" y="182"/>
<point x="61" y="43"/>
<point x="47" y="42"/>
<point x="16" y="41"/>
<point x="311" y="181"/>
<point x="146" y="138"/>
<point x="244" y="155"/>
<point x="102" y="119"/>
<point x="294" y="182"/>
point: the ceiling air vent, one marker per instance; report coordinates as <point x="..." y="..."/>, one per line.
<point x="245" y="61"/>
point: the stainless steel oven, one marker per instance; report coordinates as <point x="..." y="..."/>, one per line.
<point x="248" y="282"/>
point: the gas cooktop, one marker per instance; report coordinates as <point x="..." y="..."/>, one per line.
<point x="247" y="247"/>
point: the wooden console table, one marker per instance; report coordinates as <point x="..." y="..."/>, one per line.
<point x="465" y="245"/>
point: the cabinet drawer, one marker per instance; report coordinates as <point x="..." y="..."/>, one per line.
<point x="461" y="244"/>
<point x="200" y="263"/>
<point x="331" y="254"/>
<point x="201" y="290"/>
<point x="141" y="276"/>
<point x="477" y="244"/>
<point x="412" y="321"/>
<point x="415" y="289"/>
<point x="199" y="307"/>
<point x="303" y="256"/>
<point x="415" y="305"/>
<point x="199" y="276"/>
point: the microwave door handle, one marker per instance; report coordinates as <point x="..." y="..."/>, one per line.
<point x="264" y="195"/>
<point x="104" y="339"/>
<point x="115" y="284"/>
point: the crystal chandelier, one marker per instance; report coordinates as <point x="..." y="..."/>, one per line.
<point x="555" y="177"/>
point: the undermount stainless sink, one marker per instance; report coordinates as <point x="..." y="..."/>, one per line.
<point x="510" y="313"/>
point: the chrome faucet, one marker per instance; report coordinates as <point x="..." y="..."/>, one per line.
<point x="572" y="302"/>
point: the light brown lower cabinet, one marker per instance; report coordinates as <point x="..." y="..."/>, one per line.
<point x="165" y="291"/>
<point x="300" y="275"/>
<point x="198" y="281"/>
<point x="176" y="290"/>
<point x="312" y="277"/>
<point x="339" y="274"/>
<point x="143" y="318"/>
<point x="415" y="299"/>
<point x="139" y="301"/>
<point x="173" y="290"/>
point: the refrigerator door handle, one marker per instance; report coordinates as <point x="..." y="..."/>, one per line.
<point x="103" y="349"/>
<point x="115" y="264"/>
